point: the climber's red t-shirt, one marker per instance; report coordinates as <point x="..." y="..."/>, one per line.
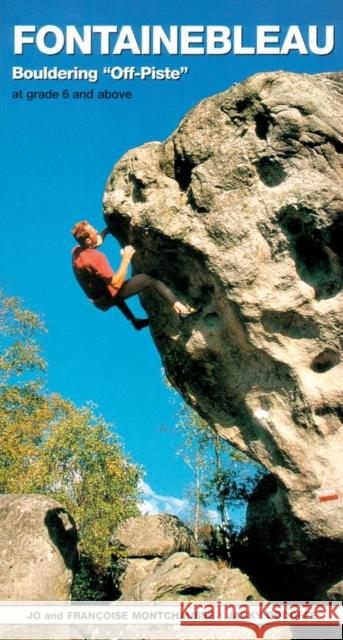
<point x="94" y="273"/>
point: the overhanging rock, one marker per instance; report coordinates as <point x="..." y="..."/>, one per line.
<point x="240" y="211"/>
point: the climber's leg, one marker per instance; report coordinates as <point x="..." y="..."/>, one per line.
<point x="142" y="282"/>
<point x="138" y="323"/>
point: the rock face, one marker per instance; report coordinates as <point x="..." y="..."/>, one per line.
<point x="180" y="576"/>
<point x="154" y="536"/>
<point x="183" y="577"/>
<point x="240" y="211"/>
<point x="335" y="592"/>
<point x="173" y="575"/>
<point x="136" y="570"/>
<point x="37" y="549"/>
<point x="232" y="584"/>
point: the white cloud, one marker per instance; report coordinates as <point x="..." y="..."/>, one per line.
<point x="154" y="503"/>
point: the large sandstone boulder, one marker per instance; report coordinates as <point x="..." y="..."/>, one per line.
<point x="180" y="576"/>
<point x="151" y="536"/>
<point x="37" y="549"/>
<point x="335" y="592"/>
<point x="155" y="570"/>
<point x="136" y="569"/>
<point x="299" y="561"/>
<point x="232" y="584"/>
<point x="240" y="211"/>
<point x="183" y="577"/>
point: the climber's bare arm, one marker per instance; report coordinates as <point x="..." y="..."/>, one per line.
<point x="119" y="277"/>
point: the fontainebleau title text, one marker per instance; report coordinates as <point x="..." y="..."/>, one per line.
<point x="175" y="40"/>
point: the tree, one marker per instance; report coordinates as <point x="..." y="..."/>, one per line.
<point x="194" y="449"/>
<point x="223" y="477"/>
<point x="19" y="352"/>
<point x="71" y="455"/>
<point x="49" y="446"/>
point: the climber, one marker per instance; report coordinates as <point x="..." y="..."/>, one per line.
<point x="106" y="288"/>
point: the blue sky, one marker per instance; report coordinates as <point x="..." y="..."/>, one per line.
<point x="56" y="157"/>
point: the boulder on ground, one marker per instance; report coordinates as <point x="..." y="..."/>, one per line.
<point x="179" y="577"/>
<point x="232" y="584"/>
<point x="136" y="570"/>
<point x="150" y="536"/>
<point x="38" y="549"/>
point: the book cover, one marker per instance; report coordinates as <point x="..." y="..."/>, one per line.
<point x="92" y="97"/>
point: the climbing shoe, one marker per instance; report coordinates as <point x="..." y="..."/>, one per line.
<point x="140" y="323"/>
<point x="187" y="314"/>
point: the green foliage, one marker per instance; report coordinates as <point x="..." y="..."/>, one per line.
<point x="224" y="478"/>
<point x="49" y="446"/>
<point x="194" y="449"/>
<point x="80" y="463"/>
<point x="215" y="543"/>
<point x="19" y="353"/>
<point x="93" y="582"/>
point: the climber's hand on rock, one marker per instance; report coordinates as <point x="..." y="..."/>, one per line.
<point x="127" y="252"/>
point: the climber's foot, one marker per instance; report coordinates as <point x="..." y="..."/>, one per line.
<point x="184" y="311"/>
<point x="140" y="323"/>
<point x="187" y="314"/>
